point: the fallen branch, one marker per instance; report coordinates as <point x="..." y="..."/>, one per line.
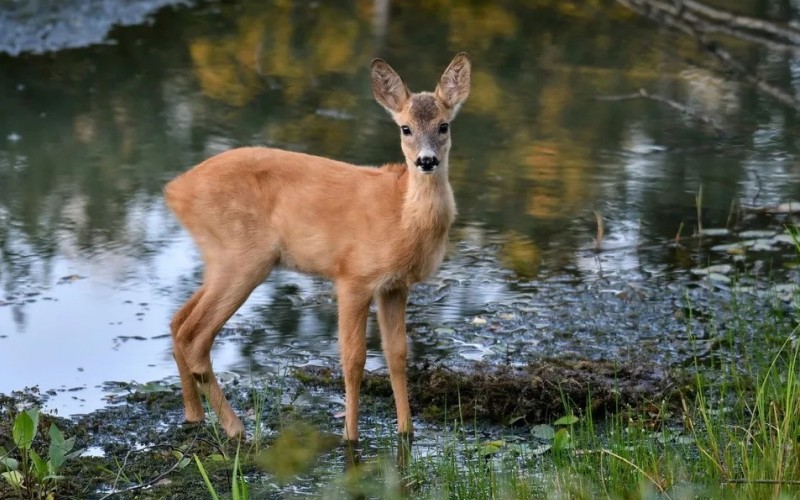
<point x="644" y="94"/>
<point x="675" y="17"/>
<point x="745" y="22"/>
<point x="712" y="19"/>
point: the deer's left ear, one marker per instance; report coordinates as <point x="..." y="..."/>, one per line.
<point x="453" y="88"/>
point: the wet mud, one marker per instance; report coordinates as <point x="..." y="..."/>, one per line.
<point x="141" y="437"/>
<point x="520" y="395"/>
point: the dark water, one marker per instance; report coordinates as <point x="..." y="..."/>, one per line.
<point x="92" y="265"/>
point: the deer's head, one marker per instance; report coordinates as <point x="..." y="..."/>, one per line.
<point x="424" y="118"/>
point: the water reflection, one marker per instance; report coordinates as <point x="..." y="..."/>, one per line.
<point x="88" y="253"/>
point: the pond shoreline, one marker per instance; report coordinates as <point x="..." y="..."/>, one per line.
<point x="144" y="427"/>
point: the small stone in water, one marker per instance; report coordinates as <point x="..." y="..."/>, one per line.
<point x="477" y="320"/>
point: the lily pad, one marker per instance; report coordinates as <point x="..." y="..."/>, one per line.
<point x="730" y="248"/>
<point x="757" y="233"/>
<point x="783" y="238"/>
<point x="566" y="420"/>
<point x="717" y="269"/>
<point x="763" y="245"/>
<point x="719" y="231"/>
<point x="543" y="431"/>
<point x="490" y="448"/>
<point x="719" y="278"/>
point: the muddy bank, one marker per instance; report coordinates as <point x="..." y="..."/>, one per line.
<point x="138" y="441"/>
<point x="519" y="395"/>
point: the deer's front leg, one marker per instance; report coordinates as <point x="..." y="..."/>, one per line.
<point x="392" y="322"/>
<point x="353" y="310"/>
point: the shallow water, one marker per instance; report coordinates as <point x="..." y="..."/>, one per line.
<point x="92" y="265"/>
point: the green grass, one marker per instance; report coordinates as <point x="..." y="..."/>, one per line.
<point x="735" y="439"/>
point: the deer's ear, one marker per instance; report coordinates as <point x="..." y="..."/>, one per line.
<point x="387" y="87"/>
<point x="453" y="87"/>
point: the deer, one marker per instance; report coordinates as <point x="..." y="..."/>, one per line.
<point x="373" y="232"/>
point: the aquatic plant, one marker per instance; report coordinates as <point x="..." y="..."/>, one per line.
<point x="30" y="475"/>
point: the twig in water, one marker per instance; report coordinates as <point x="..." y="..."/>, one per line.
<point x="678" y="234"/>
<point x="600" y="230"/>
<point x="698" y="201"/>
<point x="758" y="189"/>
<point x="731" y="214"/>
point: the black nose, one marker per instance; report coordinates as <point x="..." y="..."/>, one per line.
<point x="427" y="162"/>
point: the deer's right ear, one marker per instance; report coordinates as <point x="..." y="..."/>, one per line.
<point x="387" y="86"/>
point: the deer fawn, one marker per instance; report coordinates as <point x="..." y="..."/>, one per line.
<point x="373" y="231"/>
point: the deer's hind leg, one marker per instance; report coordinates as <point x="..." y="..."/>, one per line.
<point x="230" y="277"/>
<point x="192" y="406"/>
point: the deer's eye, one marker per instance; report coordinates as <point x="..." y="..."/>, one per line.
<point x="443" y="128"/>
<point x="405" y="130"/>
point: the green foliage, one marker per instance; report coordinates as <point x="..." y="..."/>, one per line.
<point x="31" y="475"/>
<point x="239" y="489"/>
<point x="24" y="429"/>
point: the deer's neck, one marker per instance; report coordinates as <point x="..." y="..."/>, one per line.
<point x="429" y="207"/>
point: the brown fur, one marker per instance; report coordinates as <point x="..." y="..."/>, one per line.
<point x="372" y="231"/>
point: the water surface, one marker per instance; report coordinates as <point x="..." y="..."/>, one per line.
<point x="92" y="265"/>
